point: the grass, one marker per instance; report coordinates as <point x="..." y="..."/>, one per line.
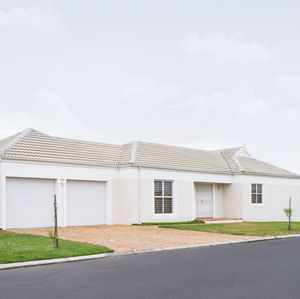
<point x="168" y="223"/>
<point x="23" y="247"/>
<point x="243" y="228"/>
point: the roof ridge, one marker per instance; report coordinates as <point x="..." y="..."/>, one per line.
<point x="121" y="145"/>
<point x="237" y="148"/>
<point x="18" y="138"/>
<point x="228" y="165"/>
<point x="229" y="155"/>
<point x="237" y="163"/>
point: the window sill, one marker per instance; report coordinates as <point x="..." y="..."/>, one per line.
<point x="256" y="204"/>
<point x="171" y="215"/>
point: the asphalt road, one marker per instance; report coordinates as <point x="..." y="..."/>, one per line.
<point x="269" y="269"/>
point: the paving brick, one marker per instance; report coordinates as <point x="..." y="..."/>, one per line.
<point x="124" y="238"/>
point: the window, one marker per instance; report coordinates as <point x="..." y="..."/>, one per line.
<point x="163" y="197"/>
<point x="256" y="193"/>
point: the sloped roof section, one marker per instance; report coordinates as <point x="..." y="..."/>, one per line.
<point x="174" y="157"/>
<point x="254" y="166"/>
<point x="38" y="146"/>
<point x="32" y="145"/>
<point x="7" y="141"/>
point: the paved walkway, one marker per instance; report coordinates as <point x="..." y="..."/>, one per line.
<point x="127" y="237"/>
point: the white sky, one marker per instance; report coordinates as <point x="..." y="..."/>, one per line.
<point x="207" y="74"/>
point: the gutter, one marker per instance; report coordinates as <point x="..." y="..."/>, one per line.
<point x="80" y="164"/>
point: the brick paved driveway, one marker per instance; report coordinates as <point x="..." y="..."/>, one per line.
<point x="127" y="237"/>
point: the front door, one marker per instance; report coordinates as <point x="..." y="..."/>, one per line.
<point x="204" y="200"/>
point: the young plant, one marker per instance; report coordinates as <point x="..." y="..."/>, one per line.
<point x="55" y="235"/>
<point x="288" y="212"/>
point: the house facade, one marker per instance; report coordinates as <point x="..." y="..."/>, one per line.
<point x="97" y="184"/>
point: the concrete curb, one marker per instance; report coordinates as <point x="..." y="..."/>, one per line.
<point x="116" y="254"/>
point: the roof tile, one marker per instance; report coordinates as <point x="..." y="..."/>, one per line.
<point x="31" y="145"/>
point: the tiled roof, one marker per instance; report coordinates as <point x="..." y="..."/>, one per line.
<point x="41" y="147"/>
<point x="250" y="165"/>
<point x="8" y="140"/>
<point x="229" y="157"/>
<point x="165" y="156"/>
<point x="32" y="145"/>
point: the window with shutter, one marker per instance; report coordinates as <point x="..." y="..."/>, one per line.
<point x="256" y="194"/>
<point x="163" y="197"/>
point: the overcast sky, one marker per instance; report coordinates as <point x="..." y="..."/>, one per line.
<point x="206" y="74"/>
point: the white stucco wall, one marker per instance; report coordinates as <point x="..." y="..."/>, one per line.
<point x="126" y="211"/>
<point x="233" y="200"/>
<point x="184" y="202"/>
<point x="2" y="196"/>
<point x="218" y="201"/>
<point x="60" y="173"/>
<point x="130" y="192"/>
<point x="276" y="193"/>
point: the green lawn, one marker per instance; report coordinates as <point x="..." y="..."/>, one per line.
<point x="169" y="223"/>
<point x="23" y="247"/>
<point x="243" y="228"/>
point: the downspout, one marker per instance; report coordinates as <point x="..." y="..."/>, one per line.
<point x="2" y="197"/>
<point x="132" y="161"/>
<point x="139" y="194"/>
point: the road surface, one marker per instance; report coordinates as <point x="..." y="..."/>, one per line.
<point x="268" y="269"/>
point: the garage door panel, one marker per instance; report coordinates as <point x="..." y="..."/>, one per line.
<point x="29" y="202"/>
<point x="85" y="203"/>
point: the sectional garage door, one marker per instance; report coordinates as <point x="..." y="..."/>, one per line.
<point x="85" y="203"/>
<point x="29" y="202"/>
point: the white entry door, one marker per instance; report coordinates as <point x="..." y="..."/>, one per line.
<point x="204" y="200"/>
<point x="85" y="203"/>
<point x="29" y="203"/>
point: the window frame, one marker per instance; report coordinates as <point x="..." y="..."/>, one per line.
<point x="172" y="197"/>
<point x="257" y="193"/>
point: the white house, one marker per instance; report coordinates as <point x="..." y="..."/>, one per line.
<point x="98" y="183"/>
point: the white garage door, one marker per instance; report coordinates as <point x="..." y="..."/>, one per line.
<point x="85" y="203"/>
<point x="29" y="203"/>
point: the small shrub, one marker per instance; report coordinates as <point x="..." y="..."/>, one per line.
<point x="288" y="212"/>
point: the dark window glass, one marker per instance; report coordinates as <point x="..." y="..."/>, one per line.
<point x="259" y="188"/>
<point x="259" y="198"/>
<point x="167" y="188"/>
<point x="158" y="206"/>
<point x="168" y="209"/>
<point x="158" y="188"/>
